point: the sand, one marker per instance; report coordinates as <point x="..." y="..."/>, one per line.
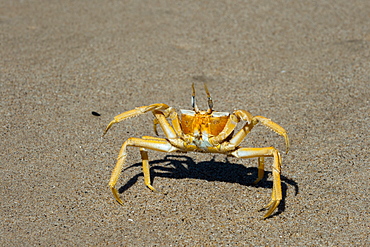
<point x="304" y="64"/>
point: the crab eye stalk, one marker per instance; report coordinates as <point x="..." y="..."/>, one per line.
<point x="193" y="102"/>
<point x="210" y="102"/>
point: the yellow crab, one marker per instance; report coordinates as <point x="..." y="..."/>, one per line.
<point x="201" y="131"/>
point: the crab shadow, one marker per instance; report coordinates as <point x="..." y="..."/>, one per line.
<point x="181" y="167"/>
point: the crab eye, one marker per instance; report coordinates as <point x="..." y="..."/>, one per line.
<point x="193" y="102"/>
<point x="210" y="102"/>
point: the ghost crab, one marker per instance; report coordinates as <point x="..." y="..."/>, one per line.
<point x="201" y="131"/>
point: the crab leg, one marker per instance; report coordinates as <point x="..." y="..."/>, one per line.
<point x="169" y="131"/>
<point x="146" y="168"/>
<point x="156" y="144"/>
<point x="231" y="124"/>
<point x="135" y="112"/>
<point x="145" y="162"/>
<point x="229" y="127"/>
<point x="275" y="127"/>
<point x="243" y="132"/>
<point x="261" y="169"/>
<point x="161" y="112"/>
<point x="276" y="195"/>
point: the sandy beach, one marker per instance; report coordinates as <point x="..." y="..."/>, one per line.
<point x="303" y="64"/>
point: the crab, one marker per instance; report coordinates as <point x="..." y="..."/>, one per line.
<point x="201" y="131"/>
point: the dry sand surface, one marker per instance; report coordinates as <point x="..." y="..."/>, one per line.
<point x="304" y="64"/>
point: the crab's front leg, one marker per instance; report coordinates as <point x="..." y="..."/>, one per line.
<point x="156" y="144"/>
<point x="135" y="112"/>
<point x="276" y="195"/>
<point x="275" y="127"/>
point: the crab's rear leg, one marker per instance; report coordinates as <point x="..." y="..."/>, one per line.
<point x="156" y="144"/>
<point x="276" y="195"/>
